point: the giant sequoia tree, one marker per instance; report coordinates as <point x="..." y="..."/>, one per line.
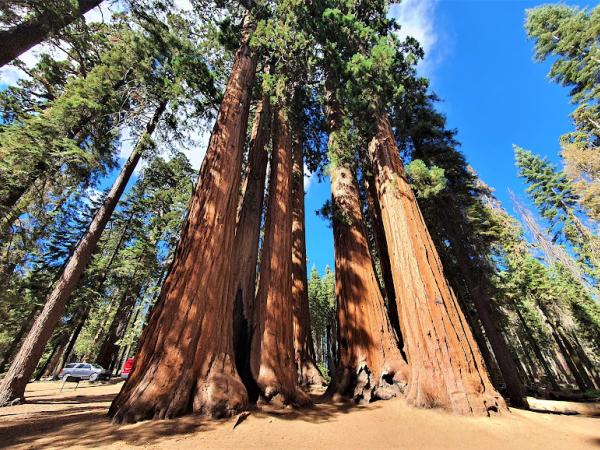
<point x="446" y="368"/>
<point x="186" y="360"/>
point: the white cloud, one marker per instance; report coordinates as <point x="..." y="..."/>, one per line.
<point x="308" y="178"/>
<point x="417" y="19"/>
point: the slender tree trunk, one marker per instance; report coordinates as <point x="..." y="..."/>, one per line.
<point x="20" y="38"/>
<point x="272" y="359"/>
<point x="369" y="363"/>
<point x="117" y="328"/>
<point x="308" y="372"/>
<point x="536" y="349"/>
<point x="446" y="367"/>
<point x="588" y="366"/>
<point x="483" y="305"/>
<point x="68" y="349"/>
<point x="247" y="236"/>
<point x="25" y="326"/>
<point x="52" y="360"/>
<point x="13" y="385"/>
<point x="186" y="362"/>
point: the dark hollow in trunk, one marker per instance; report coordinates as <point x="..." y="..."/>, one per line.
<point x="247" y="236"/>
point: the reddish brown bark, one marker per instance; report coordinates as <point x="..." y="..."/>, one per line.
<point x="272" y="359"/>
<point x="13" y="385"/>
<point x="382" y="252"/>
<point x="369" y="363"/>
<point x="185" y="362"/>
<point x="308" y="372"/>
<point x="247" y="236"/>
<point x="446" y="367"/>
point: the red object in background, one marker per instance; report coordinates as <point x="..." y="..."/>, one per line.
<point x="127" y="368"/>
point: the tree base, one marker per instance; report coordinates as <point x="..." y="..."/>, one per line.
<point x="12" y="401"/>
<point x="218" y="396"/>
<point x="272" y="396"/>
<point x="361" y="387"/>
<point x="462" y="403"/>
<point x="310" y="375"/>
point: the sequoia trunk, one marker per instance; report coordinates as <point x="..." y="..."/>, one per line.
<point x="446" y="367"/>
<point x="247" y="236"/>
<point x="20" y="38"/>
<point x="369" y="362"/>
<point x="272" y="359"/>
<point x="13" y="385"/>
<point x="185" y="361"/>
<point x="304" y="350"/>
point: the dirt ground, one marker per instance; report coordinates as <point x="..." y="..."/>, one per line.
<point x="77" y="419"/>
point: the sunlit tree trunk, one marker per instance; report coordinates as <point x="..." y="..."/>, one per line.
<point x="13" y="385"/>
<point x="369" y="362"/>
<point x="185" y="362"/>
<point x="272" y="359"/>
<point x="446" y="367"/>
<point x="308" y="373"/>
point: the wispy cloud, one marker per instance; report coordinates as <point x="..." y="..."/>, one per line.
<point x="417" y="19"/>
<point x="308" y="178"/>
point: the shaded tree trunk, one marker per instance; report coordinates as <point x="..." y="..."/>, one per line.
<point x="25" y="326"/>
<point x="185" y="362"/>
<point x="72" y="341"/>
<point x="272" y="359"/>
<point x="14" y="383"/>
<point x="536" y="349"/>
<point x="446" y="367"/>
<point x="369" y="362"/>
<point x="53" y="359"/>
<point x="382" y="252"/>
<point x="22" y="37"/>
<point x="247" y="236"/>
<point x="308" y="372"/>
<point x="117" y="327"/>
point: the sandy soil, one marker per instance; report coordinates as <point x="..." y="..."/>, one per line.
<point x="77" y="419"/>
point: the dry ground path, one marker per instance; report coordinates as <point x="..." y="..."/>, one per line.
<point x="77" y="419"/>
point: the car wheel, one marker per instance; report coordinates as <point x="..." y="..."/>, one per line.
<point x="93" y="377"/>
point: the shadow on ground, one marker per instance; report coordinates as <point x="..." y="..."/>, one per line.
<point x="81" y="420"/>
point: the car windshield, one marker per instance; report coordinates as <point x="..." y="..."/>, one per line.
<point x="96" y="366"/>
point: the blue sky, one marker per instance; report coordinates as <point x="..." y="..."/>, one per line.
<point x="481" y="64"/>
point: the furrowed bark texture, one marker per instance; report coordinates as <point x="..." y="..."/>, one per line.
<point x="382" y="252"/>
<point x="185" y="362"/>
<point x="20" y="38"/>
<point x="308" y="372"/>
<point x="13" y="385"/>
<point x="247" y="236"/>
<point x="446" y="367"/>
<point x="272" y="359"/>
<point x="369" y="363"/>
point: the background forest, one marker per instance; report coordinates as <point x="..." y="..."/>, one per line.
<point x="95" y="235"/>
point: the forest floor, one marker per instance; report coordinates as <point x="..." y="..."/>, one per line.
<point x="77" y="419"/>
